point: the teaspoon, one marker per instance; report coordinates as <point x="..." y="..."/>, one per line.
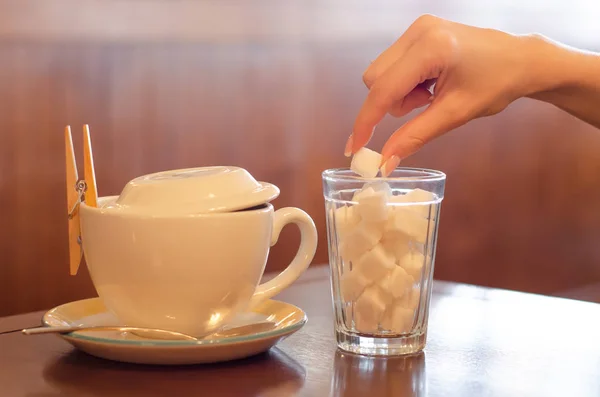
<point x="155" y="333"/>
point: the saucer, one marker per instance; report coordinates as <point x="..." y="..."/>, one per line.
<point x="126" y="347"/>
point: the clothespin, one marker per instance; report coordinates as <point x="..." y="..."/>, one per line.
<point x="78" y="191"/>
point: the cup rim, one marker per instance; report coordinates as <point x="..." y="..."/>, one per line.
<point x="131" y="213"/>
<point x="426" y="175"/>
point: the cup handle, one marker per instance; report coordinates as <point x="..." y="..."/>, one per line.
<point x="303" y="258"/>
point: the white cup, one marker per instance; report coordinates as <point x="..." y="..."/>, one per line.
<point x="189" y="273"/>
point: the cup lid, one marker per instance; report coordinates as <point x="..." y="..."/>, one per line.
<point x="196" y="190"/>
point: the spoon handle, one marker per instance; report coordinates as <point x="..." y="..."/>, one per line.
<point x="261" y="326"/>
<point x="66" y="329"/>
<point x="50" y="330"/>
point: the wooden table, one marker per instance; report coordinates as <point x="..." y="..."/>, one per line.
<point x="274" y="86"/>
<point x="482" y="342"/>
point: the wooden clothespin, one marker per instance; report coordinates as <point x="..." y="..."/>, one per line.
<point x="89" y="175"/>
<point x="78" y="191"/>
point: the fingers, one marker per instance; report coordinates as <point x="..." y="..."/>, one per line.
<point x="387" y="58"/>
<point x="439" y="118"/>
<point x="415" y="99"/>
<point x="389" y="89"/>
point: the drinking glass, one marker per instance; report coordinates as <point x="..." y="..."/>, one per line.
<point x="381" y="235"/>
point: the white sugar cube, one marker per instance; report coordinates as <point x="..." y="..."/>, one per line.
<point x="366" y="162"/>
<point x="419" y="195"/>
<point x="397" y="283"/>
<point x="349" y="252"/>
<point x="410" y="223"/>
<point x="362" y="192"/>
<point x="413" y="263"/>
<point x="369" y="309"/>
<point x="422" y="248"/>
<point x="372" y="205"/>
<point x="420" y="202"/>
<point x="411" y="299"/>
<point x="400" y="282"/>
<point x="414" y="196"/>
<point x="379" y="186"/>
<point x="375" y="264"/>
<point x="427" y="211"/>
<point x="396" y="243"/>
<point x="399" y="199"/>
<point x="398" y="319"/>
<point x="353" y="283"/>
<point x="346" y="218"/>
<point x="385" y="284"/>
<point x="359" y="240"/>
<point x="364" y="323"/>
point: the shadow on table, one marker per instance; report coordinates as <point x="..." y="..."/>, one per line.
<point x="365" y="376"/>
<point x="272" y="373"/>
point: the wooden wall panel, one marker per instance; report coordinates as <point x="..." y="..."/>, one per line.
<point x="276" y="95"/>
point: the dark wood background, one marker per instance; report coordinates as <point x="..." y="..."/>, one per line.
<point x="273" y="86"/>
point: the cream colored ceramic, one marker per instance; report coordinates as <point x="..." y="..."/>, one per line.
<point x="187" y="273"/>
<point x="196" y="190"/>
<point x="130" y="348"/>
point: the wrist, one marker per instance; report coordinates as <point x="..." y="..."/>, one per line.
<point x="553" y="69"/>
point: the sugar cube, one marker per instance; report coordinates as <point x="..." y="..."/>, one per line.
<point x="400" y="282"/>
<point x="385" y="284"/>
<point x="372" y="205"/>
<point x="419" y="195"/>
<point x="427" y="211"/>
<point x="411" y="299"/>
<point x="369" y="309"/>
<point x="375" y="264"/>
<point x="366" y="162"/>
<point x="398" y="319"/>
<point x="357" y="194"/>
<point x="353" y="284"/>
<point x="359" y="240"/>
<point x="420" y="202"/>
<point x="396" y="243"/>
<point x="379" y="186"/>
<point x="346" y="218"/>
<point x="364" y="323"/>
<point x="413" y="263"/>
<point x="411" y="223"/>
<point x="399" y="199"/>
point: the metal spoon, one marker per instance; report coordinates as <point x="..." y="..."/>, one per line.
<point x="154" y="333"/>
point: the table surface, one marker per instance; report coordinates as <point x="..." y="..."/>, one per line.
<point x="482" y="342"/>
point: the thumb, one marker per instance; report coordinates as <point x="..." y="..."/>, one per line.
<point x="440" y="117"/>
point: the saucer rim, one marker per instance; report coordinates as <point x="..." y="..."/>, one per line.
<point x="277" y="333"/>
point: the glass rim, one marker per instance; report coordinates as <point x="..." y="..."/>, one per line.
<point x="426" y="175"/>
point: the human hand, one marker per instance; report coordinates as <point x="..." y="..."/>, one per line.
<point x="474" y="72"/>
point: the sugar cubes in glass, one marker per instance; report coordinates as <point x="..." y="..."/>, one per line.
<point x="382" y="234"/>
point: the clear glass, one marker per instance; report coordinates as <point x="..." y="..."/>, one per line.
<point x="382" y="234"/>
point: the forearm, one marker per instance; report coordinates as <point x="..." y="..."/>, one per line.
<point x="569" y="79"/>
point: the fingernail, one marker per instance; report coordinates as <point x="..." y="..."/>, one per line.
<point x="348" y="149"/>
<point x="390" y="165"/>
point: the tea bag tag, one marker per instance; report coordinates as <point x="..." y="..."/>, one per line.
<point x="75" y="191"/>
